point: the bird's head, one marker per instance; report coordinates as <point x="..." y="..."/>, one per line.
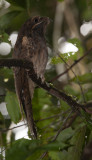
<point x="35" y="25"/>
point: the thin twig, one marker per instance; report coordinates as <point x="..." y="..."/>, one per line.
<point x="75" y="76"/>
<point x="64" y="122"/>
<point x="43" y="119"/>
<point x="7" y="129"/>
<point x="43" y="155"/>
<point x="51" y="124"/>
<point x="88" y="111"/>
<point x="67" y="70"/>
<point x="57" y="115"/>
<point x="64" y="126"/>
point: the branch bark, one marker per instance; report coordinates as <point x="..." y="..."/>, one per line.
<point x="48" y="87"/>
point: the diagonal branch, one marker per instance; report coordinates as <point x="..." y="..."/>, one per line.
<point x="53" y="91"/>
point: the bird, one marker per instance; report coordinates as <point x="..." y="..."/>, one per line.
<point x="30" y="45"/>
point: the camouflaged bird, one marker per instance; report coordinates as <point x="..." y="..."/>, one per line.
<point x="30" y="45"/>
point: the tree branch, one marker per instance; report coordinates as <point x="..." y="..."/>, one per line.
<point x="53" y="91"/>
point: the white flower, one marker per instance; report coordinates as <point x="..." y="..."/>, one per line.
<point x="13" y="38"/>
<point x="5" y="48"/>
<point x="66" y="47"/>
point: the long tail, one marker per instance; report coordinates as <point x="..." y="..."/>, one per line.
<point x="25" y="98"/>
<point x="27" y="106"/>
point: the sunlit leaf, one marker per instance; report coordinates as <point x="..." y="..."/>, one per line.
<point x="64" y="57"/>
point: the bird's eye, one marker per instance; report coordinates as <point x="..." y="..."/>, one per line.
<point x="36" y="20"/>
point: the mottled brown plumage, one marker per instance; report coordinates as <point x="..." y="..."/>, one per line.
<point x="30" y="45"/>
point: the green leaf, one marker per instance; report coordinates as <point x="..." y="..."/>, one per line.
<point x="40" y="99"/>
<point x="6" y="78"/>
<point x="13" y="106"/>
<point x="71" y="91"/>
<point x="16" y="8"/>
<point x="17" y="2"/>
<point x="87" y="14"/>
<point x="77" y="141"/>
<point x="88" y="94"/>
<point x="6" y="72"/>
<point x="4" y="37"/>
<point x="35" y="155"/>
<point x="86" y="78"/>
<point x="87" y="119"/>
<point x="1" y="157"/>
<point x="64" y="105"/>
<point x="27" y="149"/>
<point x="6" y="19"/>
<point x="54" y="146"/>
<point x="61" y="155"/>
<point x="82" y="5"/>
<point x="21" y="149"/>
<point x="56" y="60"/>
<point x="65" y="57"/>
<point x="65" y="135"/>
<point x="54" y="155"/>
<point x="18" y="20"/>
